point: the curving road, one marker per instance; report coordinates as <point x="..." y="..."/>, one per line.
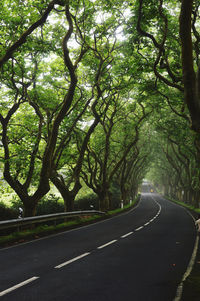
<point x="140" y="255"/>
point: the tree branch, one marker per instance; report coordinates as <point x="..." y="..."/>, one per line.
<point x="14" y="47"/>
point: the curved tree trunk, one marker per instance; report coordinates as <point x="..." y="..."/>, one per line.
<point x="29" y="209"/>
<point x="191" y="80"/>
<point x="104" y="200"/>
<point x="67" y="195"/>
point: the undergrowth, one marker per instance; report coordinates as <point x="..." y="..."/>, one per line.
<point x="191" y="207"/>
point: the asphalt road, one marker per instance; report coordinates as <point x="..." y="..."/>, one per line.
<point x="139" y="256"/>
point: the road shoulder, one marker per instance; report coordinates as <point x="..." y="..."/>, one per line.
<point x="191" y="286"/>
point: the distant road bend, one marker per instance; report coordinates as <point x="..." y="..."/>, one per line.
<point x="140" y="255"/>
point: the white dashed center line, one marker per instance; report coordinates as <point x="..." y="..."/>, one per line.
<point x="125" y="235"/>
<point x="71" y="260"/>
<point x="2" y="293"/>
<point x="17" y="286"/>
<point x="139" y="228"/>
<point x="107" y="244"/>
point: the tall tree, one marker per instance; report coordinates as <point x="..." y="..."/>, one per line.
<point x="98" y="30"/>
<point x="172" y="40"/>
<point x="117" y="136"/>
<point x="29" y="92"/>
<point x="189" y="16"/>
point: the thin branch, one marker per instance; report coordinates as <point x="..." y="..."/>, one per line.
<point x="14" y="47"/>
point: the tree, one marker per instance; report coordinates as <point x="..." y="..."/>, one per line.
<point x="51" y="93"/>
<point x="102" y="46"/>
<point x="175" y="166"/>
<point x="19" y="13"/>
<point x="157" y="23"/>
<point x="27" y="91"/>
<point x="116" y="136"/>
<point x="191" y="81"/>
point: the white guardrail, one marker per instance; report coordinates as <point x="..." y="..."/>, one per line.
<point x="43" y="218"/>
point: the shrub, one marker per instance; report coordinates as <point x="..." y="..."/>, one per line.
<point x="7" y="213"/>
<point x="50" y="204"/>
<point x="87" y="202"/>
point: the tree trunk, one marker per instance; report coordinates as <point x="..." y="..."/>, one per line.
<point x="133" y="192"/>
<point x="69" y="202"/>
<point x="195" y="198"/>
<point x="124" y="195"/>
<point x="104" y="200"/>
<point x="29" y="202"/>
<point x="190" y="79"/>
<point x="67" y="195"/>
<point x="29" y="209"/>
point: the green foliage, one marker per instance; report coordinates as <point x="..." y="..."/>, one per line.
<point x="50" y="204"/>
<point x="123" y="79"/>
<point x="7" y="213"/>
<point x="90" y="201"/>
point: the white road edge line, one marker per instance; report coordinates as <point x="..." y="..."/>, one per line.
<point x="125" y="235"/>
<point x="17" y="286"/>
<point x="71" y="260"/>
<point x="179" y="290"/>
<point x="107" y="244"/>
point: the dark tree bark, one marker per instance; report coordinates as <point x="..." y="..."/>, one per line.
<point x="67" y="195"/>
<point x="58" y="180"/>
<point x="191" y="80"/>
<point x="30" y="201"/>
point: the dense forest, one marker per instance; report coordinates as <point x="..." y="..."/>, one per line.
<point x="96" y="96"/>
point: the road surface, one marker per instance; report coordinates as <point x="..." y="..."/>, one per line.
<point x="140" y="255"/>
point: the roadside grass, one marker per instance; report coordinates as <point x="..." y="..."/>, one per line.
<point x="191" y="287"/>
<point x="43" y="230"/>
<point x="191" y="290"/>
<point x="119" y="210"/>
<point x="32" y="233"/>
<point x="188" y="206"/>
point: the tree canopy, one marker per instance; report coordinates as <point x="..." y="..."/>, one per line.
<point x="101" y="94"/>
